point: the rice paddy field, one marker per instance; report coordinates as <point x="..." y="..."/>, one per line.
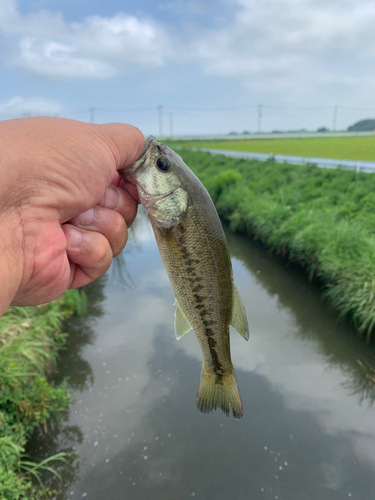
<point x="344" y="148"/>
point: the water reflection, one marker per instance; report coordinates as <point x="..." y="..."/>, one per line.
<point x="304" y="434"/>
<point x="335" y="340"/>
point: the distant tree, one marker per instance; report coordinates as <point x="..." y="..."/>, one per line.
<point x="245" y="132"/>
<point x="323" y="129"/>
<point x="363" y="126"/>
<point x="232" y="133"/>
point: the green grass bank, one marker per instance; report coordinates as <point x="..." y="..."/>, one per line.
<point x="344" y="148"/>
<point x="323" y="219"/>
<point x="30" y="338"/>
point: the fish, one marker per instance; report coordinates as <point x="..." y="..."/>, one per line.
<point x="195" y="254"/>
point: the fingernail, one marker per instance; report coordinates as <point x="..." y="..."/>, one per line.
<point x="87" y="218"/>
<point x="111" y="197"/>
<point x="75" y="238"/>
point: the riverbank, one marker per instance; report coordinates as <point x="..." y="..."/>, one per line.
<point x="322" y="219"/>
<point x="30" y="339"/>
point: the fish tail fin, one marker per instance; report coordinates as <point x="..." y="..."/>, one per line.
<point x="223" y="393"/>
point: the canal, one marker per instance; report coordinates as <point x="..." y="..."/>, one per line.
<point x="306" y="382"/>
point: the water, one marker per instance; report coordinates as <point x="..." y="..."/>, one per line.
<point x="308" y="430"/>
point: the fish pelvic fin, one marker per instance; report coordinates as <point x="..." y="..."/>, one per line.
<point x="181" y="324"/>
<point x="238" y="319"/>
<point x="223" y="393"/>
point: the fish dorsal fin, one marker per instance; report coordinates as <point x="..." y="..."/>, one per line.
<point x="181" y="324"/>
<point x="239" y="320"/>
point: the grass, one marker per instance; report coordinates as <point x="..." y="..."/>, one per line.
<point x="30" y="338"/>
<point x="344" y="148"/>
<point x="321" y="218"/>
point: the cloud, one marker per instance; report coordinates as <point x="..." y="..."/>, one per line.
<point x="284" y="43"/>
<point x="293" y="48"/>
<point x="18" y="106"/>
<point x="97" y="47"/>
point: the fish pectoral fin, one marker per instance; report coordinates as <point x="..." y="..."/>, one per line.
<point x="181" y="324"/>
<point x="239" y="320"/>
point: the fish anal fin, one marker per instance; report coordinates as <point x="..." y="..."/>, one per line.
<point x="238" y="319"/>
<point x="181" y="324"/>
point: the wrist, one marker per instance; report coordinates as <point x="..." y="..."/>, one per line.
<point x="10" y="259"/>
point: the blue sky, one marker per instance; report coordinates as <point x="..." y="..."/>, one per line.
<point x="209" y="63"/>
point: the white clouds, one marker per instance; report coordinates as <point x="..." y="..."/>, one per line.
<point x="18" y="106"/>
<point x="97" y="47"/>
<point x="290" y="42"/>
<point x="289" y="48"/>
<point x="55" y="60"/>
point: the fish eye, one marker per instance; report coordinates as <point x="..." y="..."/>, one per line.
<point x="163" y="164"/>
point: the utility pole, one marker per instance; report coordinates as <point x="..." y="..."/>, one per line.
<point x="171" y="124"/>
<point x="160" y="112"/>
<point x="92" y="115"/>
<point x="334" y="118"/>
<point x="259" y="118"/>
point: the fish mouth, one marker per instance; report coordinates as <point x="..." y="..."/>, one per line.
<point x="138" y="165"/>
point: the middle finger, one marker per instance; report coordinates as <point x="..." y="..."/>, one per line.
<point x="107" y="222"/>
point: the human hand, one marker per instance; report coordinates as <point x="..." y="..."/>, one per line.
<point x="64" y="210"/>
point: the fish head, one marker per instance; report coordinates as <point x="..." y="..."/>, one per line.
<point x="159" y="175"/>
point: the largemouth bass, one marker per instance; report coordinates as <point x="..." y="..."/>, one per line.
<point x="194" y="251"/>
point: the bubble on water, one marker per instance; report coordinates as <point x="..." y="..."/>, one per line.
<point x="193" y="494"/>
<point x="349" y="494"/>
<point x="107" y="460"/>
<point x="291" y="436"/>
<point x="276" y="459"/>
<point x="266" y="447"/>
<point x="135" y="376"/>
<point x="285" y="463"/>
<point x="96" y="443"/>
<point x="262" y="489"/>
<point x="145" y="457"/>
<point x="133" y="484"/>
<point x="127" y="378"/>
<point x="71" y="493"/>
<point x="107" y="371"/>
<point x="145" y="447"/>
<point x="276" y="497"/>
<point x="278" y="454"/>
<point x="276" y="477"/>
<point x="169" y="435"/>
<point x="168" y="379"/>
<point x="159" y="370"/>
<point x="119" y="379"/>
<point x="104" y="363"/>
<point x="84" y="495"/>
<point x="132" y="434"/>
<point x="156" y="438"/>
<point x="280" y="467"/>
<point x="160" y="473"/>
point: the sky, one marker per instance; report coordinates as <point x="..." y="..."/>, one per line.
<point x="215" y="66"/>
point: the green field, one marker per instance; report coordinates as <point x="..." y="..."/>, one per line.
<point x="345" y="148"/>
